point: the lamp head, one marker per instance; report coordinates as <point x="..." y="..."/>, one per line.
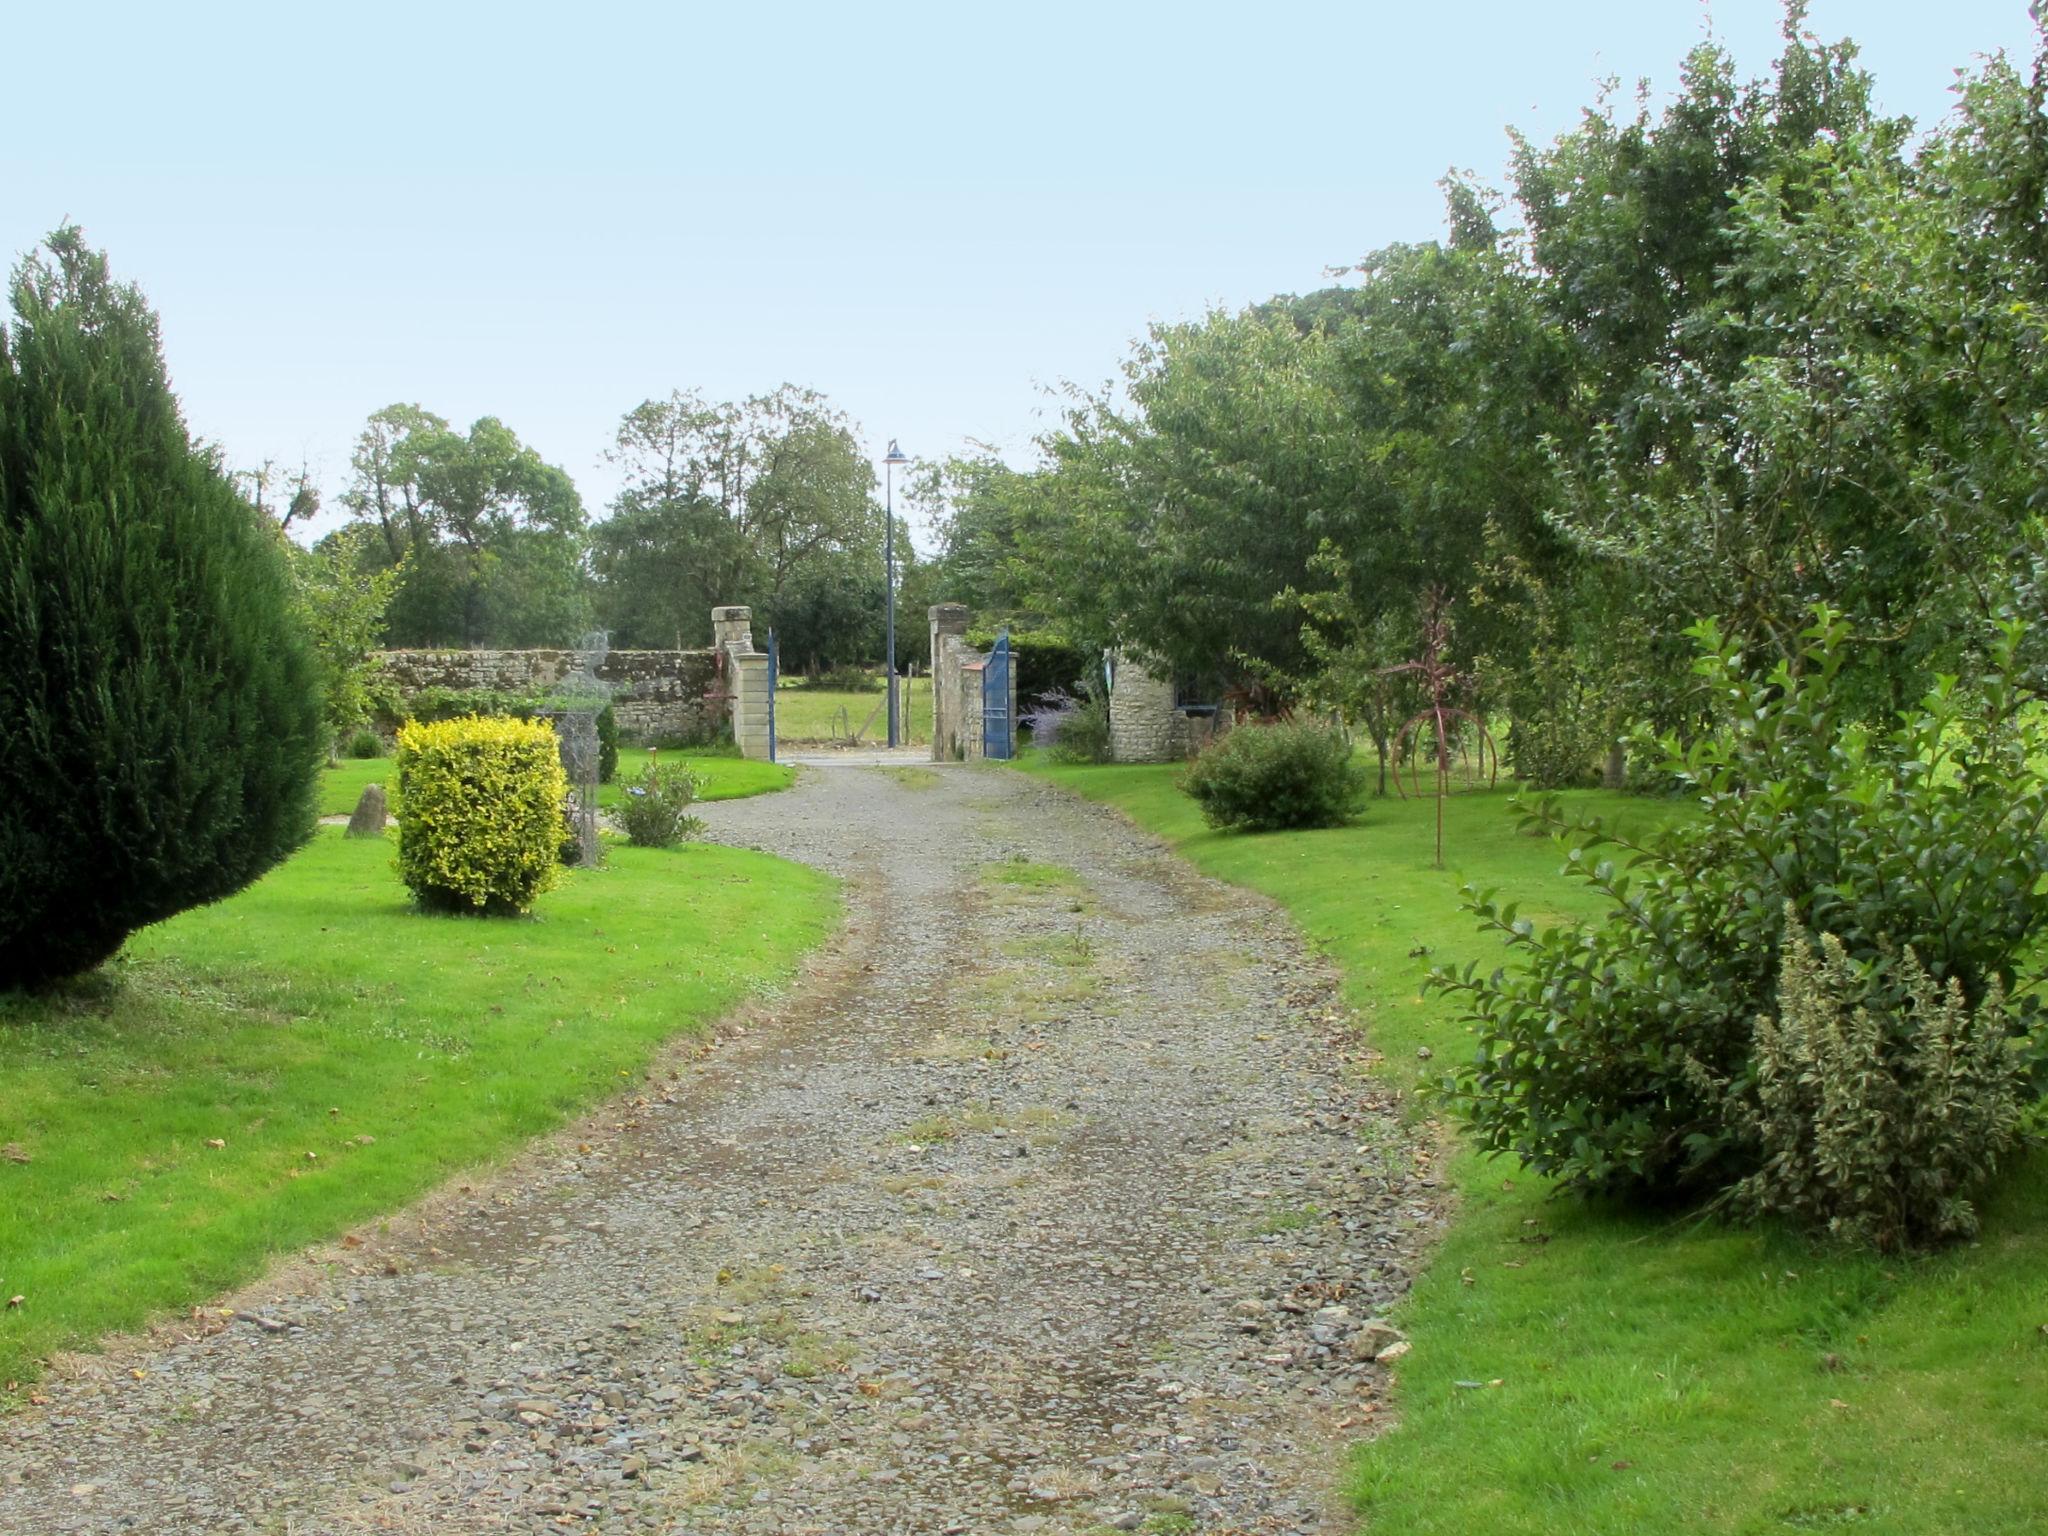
<point x="896" y="455"/>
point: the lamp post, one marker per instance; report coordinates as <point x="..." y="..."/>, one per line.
<point x="895" y="457"/>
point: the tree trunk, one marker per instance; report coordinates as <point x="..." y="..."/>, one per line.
<point x="1615" y="774"/>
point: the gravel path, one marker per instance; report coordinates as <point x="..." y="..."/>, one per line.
<point x="1043" y="1204"/>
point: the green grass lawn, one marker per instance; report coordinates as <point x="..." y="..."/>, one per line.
<point x="726" y="777"/>
<point x="812" y="715"/>
<point x="1583" y="1370"/>
<point x="260" y="1074"/>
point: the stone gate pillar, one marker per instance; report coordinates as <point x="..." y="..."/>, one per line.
<point x="733" y="629"/>
<point x="746" y="670"/>
<point x="949" y="645"/>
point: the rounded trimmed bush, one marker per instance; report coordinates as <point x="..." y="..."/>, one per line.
<point x="482" y="830"/>
<point x="162" y="733"/>
<point x="1265" y="778"/>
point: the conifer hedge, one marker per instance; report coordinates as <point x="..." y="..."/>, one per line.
<point x="160" y="731"/>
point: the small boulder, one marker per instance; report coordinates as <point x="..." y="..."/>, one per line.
<point x="1375" y="1337"/>
<point x="370" y="813"/>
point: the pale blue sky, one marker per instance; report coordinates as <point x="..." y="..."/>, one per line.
<point x="928" y="212"/>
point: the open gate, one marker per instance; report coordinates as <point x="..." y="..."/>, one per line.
<point x="998" y="730"/>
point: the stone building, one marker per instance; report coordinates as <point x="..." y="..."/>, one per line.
<point x="1150" y="721"/>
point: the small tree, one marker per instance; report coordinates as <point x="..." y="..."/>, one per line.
<point x="342" y="598"/>
<point x="162" y="711"/>
<point x="1447" y="720"/>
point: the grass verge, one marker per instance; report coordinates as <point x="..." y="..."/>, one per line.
<point x="1596" y="1371"/>
<point x="260" y="1074"/>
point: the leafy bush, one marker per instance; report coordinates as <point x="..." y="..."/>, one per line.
<point x="1070" y="728"/>
<point x="1871" y="1120"/>
<point x="1263" y="778"/>
<point x="1554" y="744"/>
<point x="655" y="810"/>
<point x="1600" y="1045"/>
<point x="1047" y="662"/>
<point x="160" y="713"/>
<point x="365" y="744"/>
<point x="483" y="797"/>
<point x="607" y="745"/>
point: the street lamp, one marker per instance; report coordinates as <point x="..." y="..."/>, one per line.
<point x="895" y="456"/>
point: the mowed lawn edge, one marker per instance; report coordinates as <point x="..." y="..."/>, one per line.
<point x="258" y="1075"/>
<point x="1589" y="1370"/>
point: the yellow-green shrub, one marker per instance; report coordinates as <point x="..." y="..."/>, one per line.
<point x="483" y="812"/>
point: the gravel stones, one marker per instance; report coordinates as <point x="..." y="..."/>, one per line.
<point x="1040" y="1206"/>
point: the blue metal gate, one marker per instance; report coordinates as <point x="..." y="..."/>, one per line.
<point x="998" y="730"/>
<point x="774" y="677"/>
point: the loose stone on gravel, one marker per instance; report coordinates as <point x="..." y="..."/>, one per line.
<point x="1037" y="1208"/>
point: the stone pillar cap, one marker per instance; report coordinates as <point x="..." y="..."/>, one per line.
<point x="719" y="614"/>
<point x="944" y="612"/>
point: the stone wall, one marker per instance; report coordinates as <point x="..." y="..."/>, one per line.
<point x="655" y="694"/>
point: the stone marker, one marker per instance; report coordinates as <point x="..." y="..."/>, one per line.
<point x="368" y="817"/>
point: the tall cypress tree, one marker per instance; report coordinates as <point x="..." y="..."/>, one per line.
<point x="160" y="728"/>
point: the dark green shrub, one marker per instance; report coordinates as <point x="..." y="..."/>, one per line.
<point x="1609" y="1053"/>
<point x="654" y="812"/>
<point x="1046" y="662"/>
<point x="162" y="729"/>
<point x="1263" y="778"/>
<point x="365" y="744"/>
<point x="607" y="745"/>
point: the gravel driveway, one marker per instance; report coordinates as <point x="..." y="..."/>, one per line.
<point x="1045" y="1203"/>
